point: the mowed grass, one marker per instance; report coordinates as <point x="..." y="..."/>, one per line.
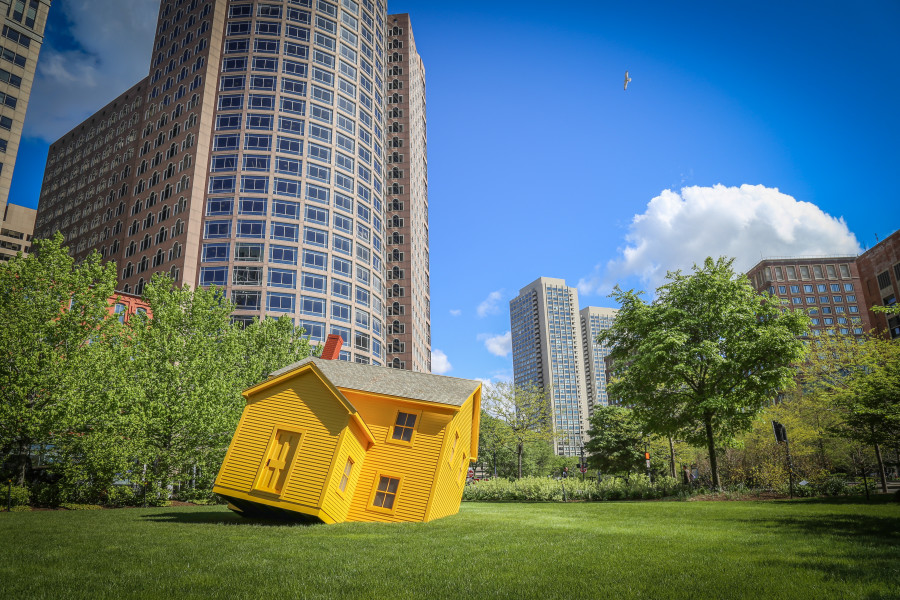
<point x="799" y="549"/>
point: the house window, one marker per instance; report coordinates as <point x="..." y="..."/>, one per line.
<point x="403" y="428"/>
<point x="453" y="447"/>
<point x="386" y="493"/>
<point x="348" y="468"/>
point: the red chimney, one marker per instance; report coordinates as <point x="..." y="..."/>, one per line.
<point x="332" y="349"/>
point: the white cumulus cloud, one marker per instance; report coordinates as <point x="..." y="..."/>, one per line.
<point x="491" y="304"/>
<point x="498" y="345"/>
<point x="748" y="223"/>
<point x="440" y="364"/>
<point x="111" y="52"/>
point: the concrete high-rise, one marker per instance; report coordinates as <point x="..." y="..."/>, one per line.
<point x="252" y="157"/>
<point x="595" y="319"/>
<point x="550" y="352"/>
<point x="17" y="230"/>
<point x="20" y="44"/>
<point x="408" y="299"/>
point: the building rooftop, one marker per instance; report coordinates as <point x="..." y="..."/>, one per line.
<point x="426" y="387"/>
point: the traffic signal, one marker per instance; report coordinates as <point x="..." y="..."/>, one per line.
<point x="780" y="432"/>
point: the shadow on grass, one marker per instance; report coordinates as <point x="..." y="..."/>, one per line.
<point x="841" y="547"/>
<point x="217" y="518"/>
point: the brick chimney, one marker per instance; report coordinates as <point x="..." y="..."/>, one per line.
<point x="332" y="349"/>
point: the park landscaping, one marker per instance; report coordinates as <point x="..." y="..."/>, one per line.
<point x="811" y="548"/>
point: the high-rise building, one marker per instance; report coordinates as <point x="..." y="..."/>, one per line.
<point x="408" y="284"/>
<point x="251" y="158"/>
<point x="595" y="319"/>
<point x="20" y="45"/>
<point x="827" y="287"/>
<point x="16" y="231"/>
<point x="550" y="352"/>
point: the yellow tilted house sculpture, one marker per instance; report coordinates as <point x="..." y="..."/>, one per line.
<point x="333" y="441"/>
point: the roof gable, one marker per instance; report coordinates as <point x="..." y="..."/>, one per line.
<point x="283" y="376"/>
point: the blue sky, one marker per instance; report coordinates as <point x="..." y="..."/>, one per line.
<point x="748" y="130"/>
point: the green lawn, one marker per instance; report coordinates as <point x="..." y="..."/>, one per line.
<point x="760" y="550"/>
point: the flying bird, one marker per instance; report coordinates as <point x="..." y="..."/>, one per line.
<point x="627" y="79"/>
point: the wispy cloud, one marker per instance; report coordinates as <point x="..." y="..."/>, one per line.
<point x="498" y="345"/>
<point x="107" y="50"/>
<point x="491" y="304"/>
<point x="455" y="312"/>
<point x="747" y="222"/>
<point x="440" y="364"/>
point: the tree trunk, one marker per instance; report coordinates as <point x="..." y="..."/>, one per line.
<point x="24" y="459"/>
<point x="672" y="457"/>
<point x="519" y="450"/>
<point x="713" y="465"/>
<point x="881" y="474"/>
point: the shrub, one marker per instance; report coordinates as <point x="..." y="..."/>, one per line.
<point x="74" y="506"/>
<point x="120" y="495"/>
<point x="198" y="496"/>
<point x="21" y="496"/>
<point x="834" y="485"/>
<point x="542" y="489"/>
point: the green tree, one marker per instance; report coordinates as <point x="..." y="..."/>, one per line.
<point x="271" y="344"/>
<point x="616" y="440"/>
<point x="188" y="366"/>
<point x="860" y="378"/>
<point x="524" y="413"/>
<point x="51" y="310"/>
<point x="705" y="356"/>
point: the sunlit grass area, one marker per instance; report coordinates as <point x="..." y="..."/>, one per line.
<point x="843" y="548"/>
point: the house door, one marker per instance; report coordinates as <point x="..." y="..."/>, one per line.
<point x="277" y="464"/>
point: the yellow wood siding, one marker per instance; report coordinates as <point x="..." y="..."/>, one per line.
<point x="303" y="402"/>
<point x="414" y="463"/>
<point x="448" y="487"/>
<point x="337" y="503"/>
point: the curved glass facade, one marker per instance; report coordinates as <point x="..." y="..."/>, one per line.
<point x="294" y="204"/>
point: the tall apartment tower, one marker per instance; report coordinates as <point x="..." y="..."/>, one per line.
<point x="548" y="352"/>
<point x="20" y="44"/>
<point x="251" y="158"/>
<point x="827" y="287"/>
<point x="408" y="283"/>
<point x="595" y="319"/>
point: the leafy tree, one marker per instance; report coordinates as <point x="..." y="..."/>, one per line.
<point x="705" y="356"/>
<point x="271" y="344"/>
<point x="524" y="413"/>
<point x="51" y="310"/>
<point x="616" y="440"/>
<point x="860" y="378"/>
<point x="188" y="366"/>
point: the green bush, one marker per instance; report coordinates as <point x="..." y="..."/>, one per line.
<point x="198" y="496"/>
<point x="74" y="506"/>
<point x="21" y="496"/>
<point x="835" y="485"/>
<point x="20" y="508"/>
<point x="45" y="494"/>
<point x="543" y="489"/>
<point x="120" y="495"/>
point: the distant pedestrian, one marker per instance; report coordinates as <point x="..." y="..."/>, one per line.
<point x="686" y="475"/>
<point x="565" y="472"/>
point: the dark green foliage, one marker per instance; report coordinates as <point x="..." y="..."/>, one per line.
<point x="616" y="441"/>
